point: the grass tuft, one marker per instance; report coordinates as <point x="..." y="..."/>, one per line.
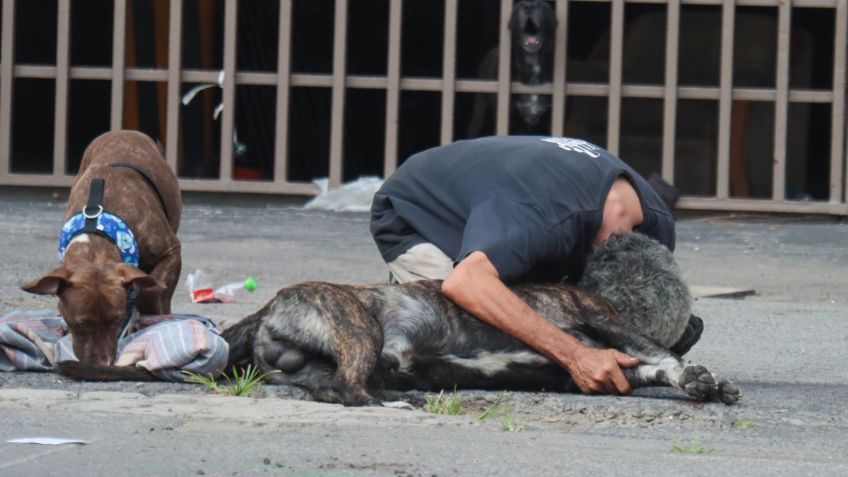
<point x="243" y="383"/>
<point x="494" y="409"/>
<point x="504" y="413"/>
<point x="444" y="404"/>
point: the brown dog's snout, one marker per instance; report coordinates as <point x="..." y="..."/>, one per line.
<point x="95" y="349"/>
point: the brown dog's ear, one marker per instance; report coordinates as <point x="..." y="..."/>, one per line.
<point x="133" y="277"/>
<point x="48" y="284"/>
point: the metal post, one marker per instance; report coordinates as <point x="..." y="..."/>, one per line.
<point x="390" y="158"/>
<point x="229" y="89"/>
<point x="560" y="52"/>
<point x="615" y="80"/>
<point x="175" y="29"/>
<point x="449" y="71"/>
<point x="781" y="103"/>
<point x="504" y="69"/>
<point x="119" y="44"/>
<point x="725" y="103"/>
<point x="60" y="126"/>
<point x="281" y="142"/>
<point x="7" y="79"/>
<point x="672" y="39"/>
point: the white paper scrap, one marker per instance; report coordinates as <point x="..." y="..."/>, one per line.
<point x="50" y="441"/>
<point x="398" y="405"/>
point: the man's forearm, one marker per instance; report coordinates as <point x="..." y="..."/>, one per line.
<point x="495" y="304"/>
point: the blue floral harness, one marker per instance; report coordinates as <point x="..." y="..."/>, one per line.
<point x="106" y="224"/>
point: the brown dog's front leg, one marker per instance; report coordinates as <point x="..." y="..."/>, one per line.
<point x="167" y="272"/>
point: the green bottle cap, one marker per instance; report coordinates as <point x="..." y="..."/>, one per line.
<point x="250" y="284"/>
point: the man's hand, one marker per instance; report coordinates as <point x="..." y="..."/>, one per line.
<point x="599" y="370"/>
<point x="475" y="286"/>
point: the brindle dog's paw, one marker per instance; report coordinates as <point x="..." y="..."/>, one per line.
<point x="345" y="396"/>
<point x="698" y="382"/>
<point x="728" y="393"/>
<point x="327" y="394"/>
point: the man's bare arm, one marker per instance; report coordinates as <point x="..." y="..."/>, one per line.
<point x="475" y="286"/>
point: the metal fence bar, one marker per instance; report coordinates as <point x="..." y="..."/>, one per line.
<point x="119" y="42"/>
<point x="504" y="69"/>
<point x="615" y="80"/>
<point x="7" y="65"/>
<point x="741" y="3"/>
<point x="229" y="89"/>
<point x="172" y="125"/>
<point x="448" y="86"/>
<point x="837" y="110"/>
<point x="725" y="103"/>
<point x="558" y="98"/>
<point x="337" y="113"/>
<point x="283" y="82"/>
<point x="784" y="24"/>
<point x="672" y="39"/>
<point x="761" y="205"/>
<point x="60" y="115"/>
<point x="390" y="150"/>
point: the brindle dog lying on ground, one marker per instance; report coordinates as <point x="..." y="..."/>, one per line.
<point x="344" y="343"/>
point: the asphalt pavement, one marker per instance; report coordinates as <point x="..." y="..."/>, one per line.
<point x="785" y="347"/>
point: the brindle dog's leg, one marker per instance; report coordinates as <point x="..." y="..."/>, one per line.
<point x="322" y="338"/>
<point x="659" y="365"/>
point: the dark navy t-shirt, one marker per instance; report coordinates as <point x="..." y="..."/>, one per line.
<point x="533" y="205"/>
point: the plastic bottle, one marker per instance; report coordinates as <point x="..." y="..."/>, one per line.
<point x="200" y="287"/>
<point x="227" y="293"/>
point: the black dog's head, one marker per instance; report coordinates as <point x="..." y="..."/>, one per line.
<point x="533" y="25"/>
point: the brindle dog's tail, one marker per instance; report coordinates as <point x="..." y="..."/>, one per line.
<point x="240" y="337"/>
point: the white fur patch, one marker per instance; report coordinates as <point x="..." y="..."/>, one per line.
<point x="668" y="365"/>
<point x="79" y="238"/>
<point x="493" y="363"/>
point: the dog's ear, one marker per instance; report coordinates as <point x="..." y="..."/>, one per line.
<point x="49" y="284"/>
<point x="135" y="278"/>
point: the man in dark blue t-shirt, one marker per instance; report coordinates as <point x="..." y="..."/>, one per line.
<point x="506" y="209"/>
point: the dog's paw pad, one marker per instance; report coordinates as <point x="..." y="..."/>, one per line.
<point x="728" y="393"/>
<point x="698" y="382"/>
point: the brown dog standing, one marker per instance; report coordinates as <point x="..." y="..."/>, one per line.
<point x="98" y="271"/>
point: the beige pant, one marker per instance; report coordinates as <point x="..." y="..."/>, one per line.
<point x="422" y="262"/>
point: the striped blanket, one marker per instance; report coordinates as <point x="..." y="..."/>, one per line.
<point x="166" y="345"/>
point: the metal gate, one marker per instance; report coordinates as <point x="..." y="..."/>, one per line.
<point x="724" y="162"/>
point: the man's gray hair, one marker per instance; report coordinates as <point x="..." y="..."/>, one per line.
<point x="641" y="279"/>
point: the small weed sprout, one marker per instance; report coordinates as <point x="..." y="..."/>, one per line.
<point x="243" y="383"/>
<point x="692" y="447"/>
<point x="206" y="380"/>
<point x="510" y="424"/>
<point x="442" y="404"/>
<point x="504" y="413"/>
<point x="743" y="424"/>
<point x="494" y="409"/>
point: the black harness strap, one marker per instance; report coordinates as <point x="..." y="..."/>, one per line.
<point x="94" y="208"/>
<point x="150" y="180"/>
<point x="92" y="211"/>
